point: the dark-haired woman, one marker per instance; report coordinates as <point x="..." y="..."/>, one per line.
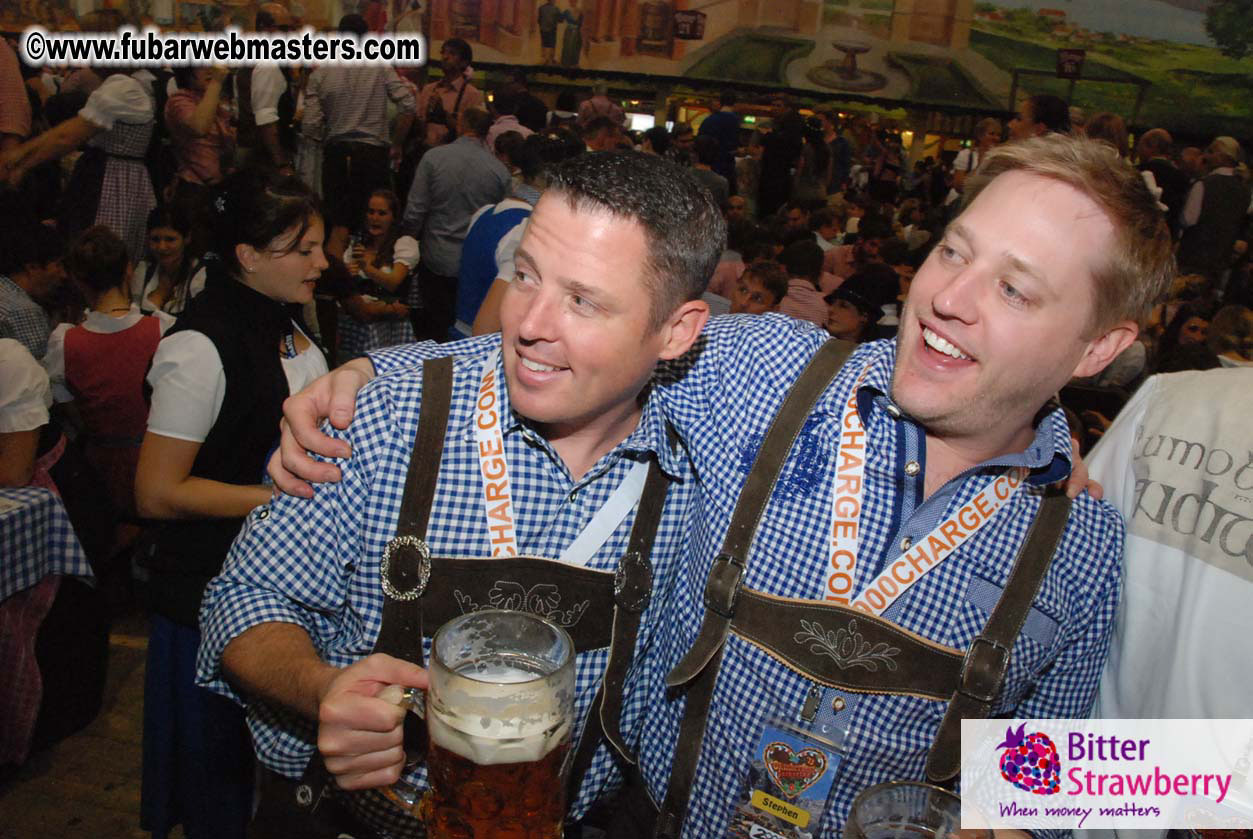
<point x="169" y="277"/>
<point x="100" y="363"/>
<point x="379" y="260"/>
<point x="218" y="381"/>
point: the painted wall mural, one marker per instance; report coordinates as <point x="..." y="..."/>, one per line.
<point x="1182" y="64"/>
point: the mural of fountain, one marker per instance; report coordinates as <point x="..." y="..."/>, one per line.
<point x="844" y="73"/>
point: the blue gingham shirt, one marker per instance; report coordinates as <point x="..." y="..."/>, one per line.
<point x="23" y="319"/>
<point x="722" y="398"/>
<point x="315" y="563"/>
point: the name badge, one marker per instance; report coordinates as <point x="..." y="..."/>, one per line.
<point x="788" y="784"/>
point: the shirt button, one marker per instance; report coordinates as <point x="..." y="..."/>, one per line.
<point x="838" y="704"/>
<point x="912" y="468"/>
<point x="905" y="543"/>
<point x="573" y="496"/>
<point x="263" y="514"/>
<point x="893" y="411"/>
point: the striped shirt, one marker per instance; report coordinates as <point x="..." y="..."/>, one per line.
<point x="350" y="103"/>
<point x="315" y="563"/>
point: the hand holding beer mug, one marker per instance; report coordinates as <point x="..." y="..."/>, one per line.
<point x="907" y="810"/>
<point x="499" y="712"/>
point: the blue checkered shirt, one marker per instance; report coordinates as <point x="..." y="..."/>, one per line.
<point x="23" y="319"/>
<point x="722" y="398"/>
<point x="315" y="563"/>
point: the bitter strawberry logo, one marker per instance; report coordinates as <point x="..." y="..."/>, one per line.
<point x="1030" y="762"/>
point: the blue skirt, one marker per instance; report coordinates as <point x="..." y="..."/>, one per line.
<point x="197" y="755"/>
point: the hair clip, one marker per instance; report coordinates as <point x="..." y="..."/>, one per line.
<point x="220" y="203"/>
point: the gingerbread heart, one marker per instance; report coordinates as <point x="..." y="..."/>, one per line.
<point x="794" y="772"/>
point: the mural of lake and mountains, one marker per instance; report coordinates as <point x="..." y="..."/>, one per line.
<point x="1183" y="64"/>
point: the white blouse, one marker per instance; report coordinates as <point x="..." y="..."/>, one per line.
<point x="120" y="98"/>
<point x="188" y="383"/>
<point x="24" y="392"/>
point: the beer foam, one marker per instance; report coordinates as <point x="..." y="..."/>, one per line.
<point x="496" y="711"/>
<point x="488" y="742"/>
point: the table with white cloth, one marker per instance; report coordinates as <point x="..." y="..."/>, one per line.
<point x="37" y="548"/>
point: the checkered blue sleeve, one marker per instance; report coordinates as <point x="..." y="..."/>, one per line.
<point x="1069" y="687"/>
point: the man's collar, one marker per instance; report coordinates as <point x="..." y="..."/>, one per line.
<point x="1047" y="456"/>
<point x="651" y="434"/>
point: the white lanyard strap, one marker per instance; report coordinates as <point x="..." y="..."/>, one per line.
<point x="497" y="484"/>
<point x="926" y="553"/>
<point x="607" y="519"/>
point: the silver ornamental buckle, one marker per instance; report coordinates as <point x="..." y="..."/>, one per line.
<point x="423" y="569"/>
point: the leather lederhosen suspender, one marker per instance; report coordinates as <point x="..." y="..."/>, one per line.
<point x="886" y="658"/>
<point x="598" y="608"/>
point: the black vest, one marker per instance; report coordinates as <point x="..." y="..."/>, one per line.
<point x="1206" y="246"/>
<point x="245" y="328"/>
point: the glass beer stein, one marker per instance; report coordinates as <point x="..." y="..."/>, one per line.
<point x="499" y="712"/>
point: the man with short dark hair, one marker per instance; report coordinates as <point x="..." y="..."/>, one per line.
<point x="610" y="273"/>
<point x="30" y="272"/>
<point x="441" y="102"/>
<point x="452" y="181"/>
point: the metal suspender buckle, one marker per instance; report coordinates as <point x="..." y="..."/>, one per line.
<point x="983" y="669"/>
<point x="722" y="588"/>
<point x="632" y="582"/>
<point x="405" y="568"/>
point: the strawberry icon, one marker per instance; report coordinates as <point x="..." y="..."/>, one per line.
<point x="1030" y="761"/>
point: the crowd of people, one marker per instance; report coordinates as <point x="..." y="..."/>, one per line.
<point x="183" y="251"/>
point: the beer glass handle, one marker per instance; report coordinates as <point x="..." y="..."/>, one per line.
<point x="412" y="700"/>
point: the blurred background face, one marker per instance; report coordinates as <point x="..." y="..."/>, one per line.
<point x="1193" y="331"/>
<point x="378" y="216"/>
<point x="844" y="320"/>
<point x="166" y="245"/>
<point x="750" y="297"/>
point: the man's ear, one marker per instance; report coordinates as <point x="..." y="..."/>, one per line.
<point x="682" y="328"/>
<point x="1105" y="348"/>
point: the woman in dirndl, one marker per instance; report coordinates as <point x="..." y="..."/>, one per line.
<point x="110" y="184"/>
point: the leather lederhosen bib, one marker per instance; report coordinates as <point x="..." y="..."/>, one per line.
<point x="969" y="681"/>
<point x="598" y="609"/>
